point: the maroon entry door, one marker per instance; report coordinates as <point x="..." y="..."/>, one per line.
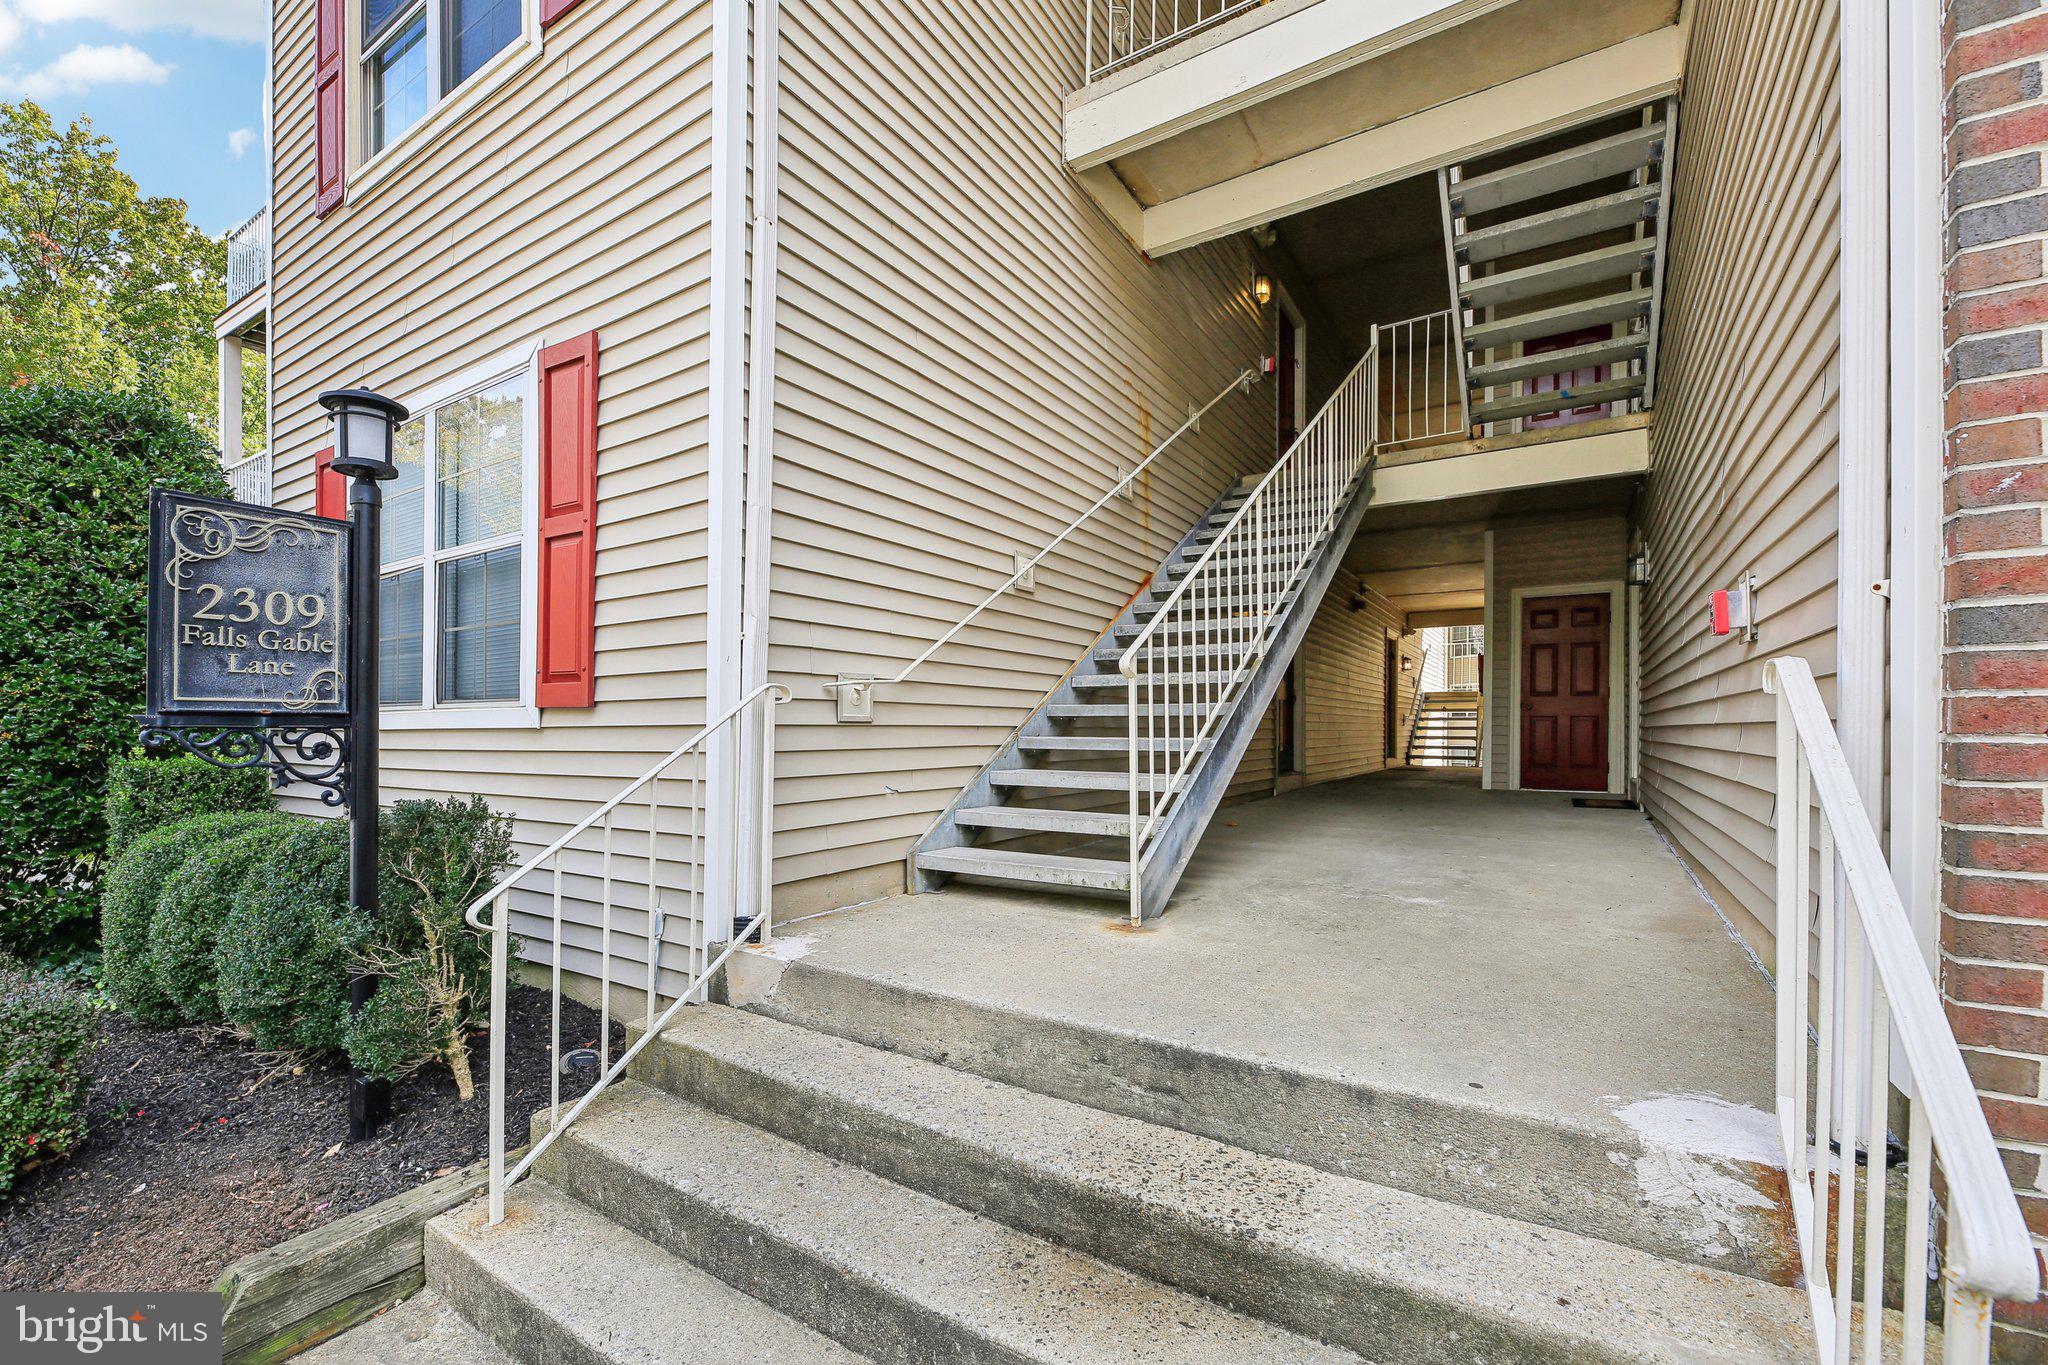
<point x="1564" y="692"/>
<point x="1287" y="353"/>
<point x="1570" y="379"/>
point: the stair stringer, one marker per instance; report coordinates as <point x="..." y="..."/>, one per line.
<point x="945" y="832"/>
<point x="1199" y="801"/>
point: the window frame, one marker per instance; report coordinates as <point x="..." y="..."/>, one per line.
<point x="522" y="363"/>
<point x="443" y="106"/>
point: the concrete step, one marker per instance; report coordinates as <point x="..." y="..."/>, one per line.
<point x="1076" y="779"/>
<point x="1004" y="867"/>
<point x="1386" y="1273"/>
<point x="1448" y="1142"/>
<point x="1045" y="820"/>
<point x="424" y="1330"/>
<point x="559" y="1282"/>
<point x="880" y="1267"/>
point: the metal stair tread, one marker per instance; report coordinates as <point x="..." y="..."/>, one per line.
<point x="1566" y="272"/>
<point x="976" y="1288"/>
<point x="1616" y="154"/>
<point x="1557" y="400"/>
<point x="1610" y="351"/>
<point x="1041" y="1162"/>
<point x="1077" y="779"/>
<point x="1086" y="744"/>
<point x="1031" y="869"/>
<point x="1564" y="317"/>
<point x="583" y="1278"/>
<point x="1552" y="226"/>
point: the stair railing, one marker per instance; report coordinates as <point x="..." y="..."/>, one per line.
<point x="1834" y="1097"/>
<point x="1241" y="383"/>
<point x="1423" y="387"/>
<point x="1407" y="753"/>
<point x="603" y="871"/>
<point x="1186" y="668"/>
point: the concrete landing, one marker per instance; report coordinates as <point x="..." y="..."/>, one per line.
<point x="1495" y="997"/>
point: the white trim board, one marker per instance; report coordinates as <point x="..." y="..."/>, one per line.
<point x="1607" y="455"/>
<point x="1617" y="678"/>
<point x="1614" y="78"/>
<point x="1269" y="58"/>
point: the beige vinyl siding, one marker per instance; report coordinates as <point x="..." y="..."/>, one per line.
<point x="1547" y="553"/>
<point x="1743" y="462"/>
<point x="969" y="354"/>
<point x="1343" y="667"/>
<point x="574" y="196"/>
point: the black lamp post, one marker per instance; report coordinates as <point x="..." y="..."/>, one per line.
<point x="365" y="424"/>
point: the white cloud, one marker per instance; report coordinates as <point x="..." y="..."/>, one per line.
<point x="240" y="141"/>
<point x="244" y="20"/>
<point x="10" y="29"/>
<point x="85" y="67"/>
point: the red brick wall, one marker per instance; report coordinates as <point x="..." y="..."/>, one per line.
<point x="1995" y="842"/>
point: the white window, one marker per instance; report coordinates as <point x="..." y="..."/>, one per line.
<point x="455" y="620"/>
<point x="416" y="53"/>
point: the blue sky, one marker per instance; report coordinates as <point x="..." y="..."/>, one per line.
<point x="177" y="85"/>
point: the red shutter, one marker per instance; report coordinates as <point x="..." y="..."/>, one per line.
<point x="567" y="667"/>
<point x="330" y="490"/>
<point x="551" y="10"/>
<point x="330" y="107"/>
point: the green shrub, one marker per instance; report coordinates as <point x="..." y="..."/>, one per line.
<point x="136" y="883"/>
<point x="192" y="909"/>
<point x="46" y="1032"/>
<point x="435" y="858"/>
<point x="144" y="793"/>
<point x="290" y="941"/>
<point x="75" y="472"/>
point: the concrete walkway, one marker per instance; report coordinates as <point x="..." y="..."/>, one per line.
<point x="1500" y="951"/>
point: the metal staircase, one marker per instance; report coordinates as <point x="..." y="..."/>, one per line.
<point x="1556" y="259"/>
<point x="1106" y="788"/>
<point x="1446" y="732"/>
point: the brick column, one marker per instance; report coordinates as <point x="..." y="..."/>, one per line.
<point x="1994" y="928"/>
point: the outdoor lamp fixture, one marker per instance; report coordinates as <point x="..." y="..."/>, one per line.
<point x="1262" y="289"/>
<point x="364" y="426"/>
<point x="1639" y="569"/>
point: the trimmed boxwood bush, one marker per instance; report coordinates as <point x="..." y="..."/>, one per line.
<point x="191" y="911"/>
<point x="135" y="883"/>
<point x="290" y="941"/>
<point x="46" y="1032"/>
<point x="145" y="793"/>
<point x="75" y="472"/>
<point x="436" y="857"/>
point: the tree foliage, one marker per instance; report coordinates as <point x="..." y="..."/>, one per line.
<point x="101" y="286"/>
<point x="75" y="473"/>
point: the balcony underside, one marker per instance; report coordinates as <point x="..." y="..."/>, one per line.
<point x="1291" y="106"/>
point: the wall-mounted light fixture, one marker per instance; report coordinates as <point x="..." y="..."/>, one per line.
<point x="1639" y="568"/>
<point x="1262" y="289"/>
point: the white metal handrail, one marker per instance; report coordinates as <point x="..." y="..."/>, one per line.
<point x="1834" y="1096"/>
<point x="1424" y="384"/>
<point x="248" y="256"/>
<point x="1186" y="668"/>
<point x="1133" y="29"/>
<point x="760" y="927"/>
<point x="1243" y="381"/>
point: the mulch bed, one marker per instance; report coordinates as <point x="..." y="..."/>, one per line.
<point x="201" y="1149"/>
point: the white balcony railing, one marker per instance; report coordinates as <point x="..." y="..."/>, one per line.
<point x="1422" y="383"/>
<point x="1120" y="32"/>
<point x="249" y="257"/>
<point x="249" y="478"/>
<point x="1462" y="675"/>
